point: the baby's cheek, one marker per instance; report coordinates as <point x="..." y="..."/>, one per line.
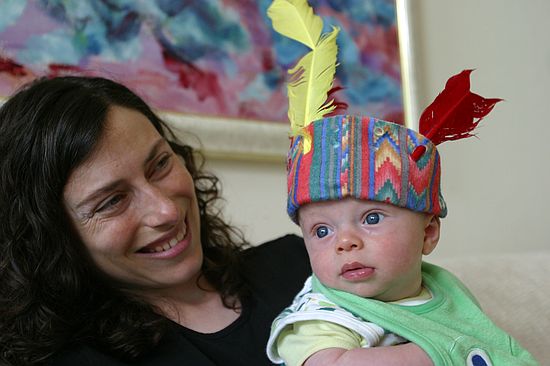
<point x="322" y="266"/>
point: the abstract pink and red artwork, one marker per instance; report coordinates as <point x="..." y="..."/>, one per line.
<point x="209" y="57"/>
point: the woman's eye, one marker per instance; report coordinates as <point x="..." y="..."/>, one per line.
<point x="110" y="204"/>
<point x="373" y="218"/>
<point x="322" y="231"/>
<point x="160" y="166"/>
<point x="163" y="162"/>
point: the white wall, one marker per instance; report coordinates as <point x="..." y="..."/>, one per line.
<point x="496" y="186"/>
<point x="255" y="195"/>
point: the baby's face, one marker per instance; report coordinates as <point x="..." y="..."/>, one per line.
<point x="368" y="248"/>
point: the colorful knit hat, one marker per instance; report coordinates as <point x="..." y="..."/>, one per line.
<point x="364" y="158"/>
<point x="341" y="156"/>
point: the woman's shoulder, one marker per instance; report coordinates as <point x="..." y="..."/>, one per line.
<point x="172" y="350"/>
<point x="288" y="242"/>
<point x="288" y="250"/>
<point x="278" y="267"/>
<point x="83" y="355"/>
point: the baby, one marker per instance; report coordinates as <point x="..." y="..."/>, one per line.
<point x="369" y="213"/>
<point x="366" y="194"/>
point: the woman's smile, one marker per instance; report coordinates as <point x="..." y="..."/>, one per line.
<point x="168" y="248"/>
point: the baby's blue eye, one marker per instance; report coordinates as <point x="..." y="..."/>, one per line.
<point x="321" y="231"/>
<point x="373" y="218"/>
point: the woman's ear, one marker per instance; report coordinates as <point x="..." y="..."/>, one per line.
<point x="431" y="234"/>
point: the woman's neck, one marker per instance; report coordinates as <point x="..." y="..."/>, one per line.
<point x="198" y="307"/>
<point x="208" y="316"/>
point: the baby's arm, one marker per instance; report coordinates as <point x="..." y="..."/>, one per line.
<point x="408" y="354"/>
<point x="313" y="343"/>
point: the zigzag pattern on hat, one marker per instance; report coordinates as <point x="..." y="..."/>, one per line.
<point x="364" y="158"/>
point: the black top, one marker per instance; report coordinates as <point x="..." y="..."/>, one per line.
<point x="275" y="271"/>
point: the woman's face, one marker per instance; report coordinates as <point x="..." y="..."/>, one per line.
<point x="134" y="205"/>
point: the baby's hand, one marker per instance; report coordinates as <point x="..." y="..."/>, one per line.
<point x="408" y="354"/>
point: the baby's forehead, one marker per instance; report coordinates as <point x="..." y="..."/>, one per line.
<point x="331" y="208"/>
<point x="335" y="206"/>
<point x="346" y="201"/>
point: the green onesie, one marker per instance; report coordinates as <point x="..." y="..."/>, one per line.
<point x="451" y="327"/>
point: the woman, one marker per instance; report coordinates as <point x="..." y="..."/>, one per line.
<point x="112" y="249"/>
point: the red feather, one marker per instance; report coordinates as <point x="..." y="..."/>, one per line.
<point x="341" y="106"/>
<point x="454" y="113"/>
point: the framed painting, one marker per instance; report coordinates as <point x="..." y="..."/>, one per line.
<point x="212" y="68"/>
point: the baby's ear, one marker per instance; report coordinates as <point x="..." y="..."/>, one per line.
<point x="431" y="234"/>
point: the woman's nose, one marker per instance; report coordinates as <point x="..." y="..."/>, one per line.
<point x="159" y="209"/>
<point x="349" y="240"/>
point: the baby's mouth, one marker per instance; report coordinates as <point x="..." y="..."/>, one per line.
<point x="356" y="271"/>
<point x="157" y="247"/>
<point x="351" y="267"/>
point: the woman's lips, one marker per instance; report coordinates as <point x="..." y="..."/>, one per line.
<point x="171" y="247"/>
<point x="157" y="248"/>
<point x="356" y="271"/>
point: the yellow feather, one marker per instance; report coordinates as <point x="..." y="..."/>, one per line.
<point x="313" y="76"/>
<point x="295" y="20"/>
<point x="311" y="79"/>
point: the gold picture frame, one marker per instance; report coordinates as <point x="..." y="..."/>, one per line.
<point x="219" y="136"/>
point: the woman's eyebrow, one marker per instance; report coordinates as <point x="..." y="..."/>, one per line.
<point x="154" y="150"/>
<point x="112" y="185"/>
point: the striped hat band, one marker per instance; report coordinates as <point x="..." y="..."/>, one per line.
<point x="363" y="158"/>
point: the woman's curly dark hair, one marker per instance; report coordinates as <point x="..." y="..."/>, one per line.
<point x="52" y="296"/>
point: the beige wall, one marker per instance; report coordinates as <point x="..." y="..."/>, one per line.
<point x="496" y="186"/>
